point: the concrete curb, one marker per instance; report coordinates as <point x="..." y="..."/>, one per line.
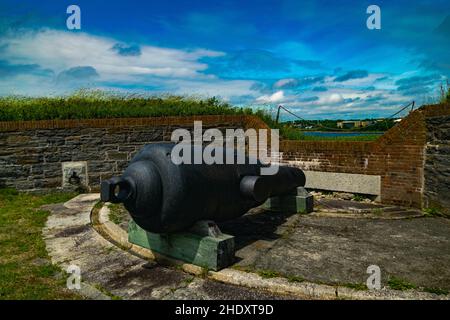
<point x="337" y="214"/>
<point x="115" y="234"/>
<point x="304" y="290"/>
<point x="90" y="292"/>
<point x="82" y="203"/>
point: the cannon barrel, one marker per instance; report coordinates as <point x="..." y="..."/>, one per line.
<point x="164" y="197"/>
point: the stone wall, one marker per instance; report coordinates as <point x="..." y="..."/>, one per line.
<point x="32" y="152"/>
<point x="437" y="164"/>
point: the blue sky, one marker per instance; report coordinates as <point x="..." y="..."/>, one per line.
<point x="317" y="58"/>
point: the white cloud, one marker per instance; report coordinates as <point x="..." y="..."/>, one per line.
<point x="213" y="87"/>
<point x="285" y="82"/>
<point x="161" y="69"/>
<point x="59" y="50"/>
<point x="276" y="97"/>
<point x="332" y="98"/>
<point x="366" y="81"/>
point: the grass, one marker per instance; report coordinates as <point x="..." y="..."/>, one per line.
<point x="243" y="268"/>
<point x="358" y="197"/>
<point x="301" y="136"/>
<point x="204" y="273"/>
<point x="355" y="286"/>
<point x="368" y="137"/>
<point x="377" y="211"/>
<point x="88" y="104"/>
<point x="393" y="282"/>
<point x="445" y="93"/>
<point x="106" y="292"/>
<point x="98" y="104"/>
<point x="25" y="268"/>
<point x="292" y="278"/>
<point x="291" y="133"/>
<point x="400" y="284"/>
<point x="267" y="274"/>
<point x="432" y="212"/>
<point x="436" y="291"/>
<point x="116" y="213"/>
<point x="188" y="280"/>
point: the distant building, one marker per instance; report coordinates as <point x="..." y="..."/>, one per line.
<point x="353" y="124"/>
<point x="303" y="126"/>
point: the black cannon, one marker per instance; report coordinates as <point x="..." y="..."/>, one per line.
<point x="163" y="197"/>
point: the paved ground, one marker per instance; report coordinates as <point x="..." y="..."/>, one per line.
<point x="337" y="243"/>
<point x="71" y="240"/>
<point x="333" y="245"/>
<point x="337" y="249"/>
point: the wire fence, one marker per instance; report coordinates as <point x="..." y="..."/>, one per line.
<point x="403" y="108"/>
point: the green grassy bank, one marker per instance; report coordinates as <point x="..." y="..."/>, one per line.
<point x="25" y="268"/>
<point x="98" y="104"/>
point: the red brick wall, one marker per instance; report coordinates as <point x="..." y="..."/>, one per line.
<point x="397" y="156"/>
<point x="246" y="120"/>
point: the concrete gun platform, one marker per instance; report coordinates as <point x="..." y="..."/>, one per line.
<point x="321" y="255"/>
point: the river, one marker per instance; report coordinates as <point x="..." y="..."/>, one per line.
<point x="338" y="134"/>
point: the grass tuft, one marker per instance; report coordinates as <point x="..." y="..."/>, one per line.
<point x="358" y="197"/>
<point x="269" y="274"/>
<point x="432" y="212"/>
<point x="400" y="284"/>
<point x="116" y="213"/>
<point x="356" y="286"/>
<point x="436" y="291"/>
<point x="292" y="278"/>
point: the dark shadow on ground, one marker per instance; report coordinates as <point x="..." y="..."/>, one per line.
<point x="257" y="224"/>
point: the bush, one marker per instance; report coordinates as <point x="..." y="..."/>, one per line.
<point x="445" y="93"/>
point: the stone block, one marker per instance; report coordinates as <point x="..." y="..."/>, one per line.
<point x="302" y="202"/>
<point x="74" y="174"/>
<point x="345" y="182"/>
<point x="202" y="246"/>
<point x="116" y="155"/>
